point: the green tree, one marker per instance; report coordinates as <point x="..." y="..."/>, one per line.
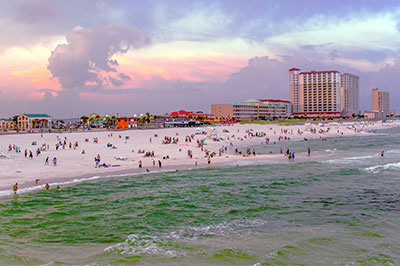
<point x="113" y="120"/>
<point x="15" y="120"/>
<point x="84" y="119"/>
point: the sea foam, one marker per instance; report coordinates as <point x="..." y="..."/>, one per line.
<point x="378" y="168"/>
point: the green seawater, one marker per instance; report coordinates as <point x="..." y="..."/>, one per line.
<point x="340" y="206"/>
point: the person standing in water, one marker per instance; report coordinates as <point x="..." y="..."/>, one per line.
<point x="47" y="186"/>
<point x="15" y="188"/>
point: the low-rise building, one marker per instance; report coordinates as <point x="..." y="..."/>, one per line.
<point x="374" y="114"/>
<point x="318" y="115"/>
<point x="127" y="122"/>
<point x="33" y="121"/>
<point x="7" y="124"/>
<point x="253" y="109"/>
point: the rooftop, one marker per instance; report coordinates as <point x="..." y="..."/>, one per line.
<point x="252" y="101"/>
<point x="320" y="72"/>
<point x="36" y="115"/>
<point x="274" y="101"/>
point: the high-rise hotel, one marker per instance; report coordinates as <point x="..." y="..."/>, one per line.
<point x="380" y="101"/>
<point x="350" y="94"/>
<point x="321" y="93"/>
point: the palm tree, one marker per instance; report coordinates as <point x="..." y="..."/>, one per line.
<point x="113" y="120"/>
<point x="84" y="119"/>
<point x="15" y="120"/>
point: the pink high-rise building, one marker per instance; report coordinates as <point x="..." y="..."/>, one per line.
<point x="380" y="101"/>
<point x="315" y="92"/>
<point x="294" y="88"/>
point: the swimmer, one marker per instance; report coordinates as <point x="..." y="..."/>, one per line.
<point x="15" y="188"/>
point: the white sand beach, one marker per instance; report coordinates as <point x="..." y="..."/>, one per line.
<point x="119" y="150"/>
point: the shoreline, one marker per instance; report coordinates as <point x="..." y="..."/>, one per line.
<point x="79" y="167"/>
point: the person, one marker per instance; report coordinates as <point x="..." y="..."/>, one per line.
<point x="37" y="181"/>
<point x="154" y="163"/>
<point x="159" y="164"/>
<point x="47" y="186"/>
<point x="382" y="153"/>
<point x="309" y="151"/>
<point x="15" y="188"/>
<point x="47" y="161"/>
<point x="55" y="161"/>
<point x="209" y="160"/>
<point x="58" y="188"/>
<point x="140" y="164"/>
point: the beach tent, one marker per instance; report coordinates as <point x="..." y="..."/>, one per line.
<point x="199" y="131"/>
<point x="212" y="132"/>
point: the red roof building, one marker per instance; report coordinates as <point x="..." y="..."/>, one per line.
<point x="274" y="101"/>
<point x="320" y="72"/>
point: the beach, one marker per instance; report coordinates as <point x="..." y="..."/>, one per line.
<point x="338" y="206"/>
<point x="121" y="152"/>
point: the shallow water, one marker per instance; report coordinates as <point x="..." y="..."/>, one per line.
<point x="340" y="206"/>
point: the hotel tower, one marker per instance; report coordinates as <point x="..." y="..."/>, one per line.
<point x="349" y="85"/>
<point x="380" y="101"/>
<point x="315" y="93"/>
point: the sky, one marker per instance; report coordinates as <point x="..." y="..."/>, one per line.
<point x="69" y="58"/>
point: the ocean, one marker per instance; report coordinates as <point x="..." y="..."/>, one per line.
<point x="340" y="206"/>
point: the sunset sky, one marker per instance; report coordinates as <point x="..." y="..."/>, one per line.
<point x="69" y="58"/>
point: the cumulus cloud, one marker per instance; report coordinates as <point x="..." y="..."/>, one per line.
<point x="115" y="82"/>
<point x="83" y="64"/>
<point x="124" y="76"/>
<point x="33" y="11"/>
<point x="387" y="79"/>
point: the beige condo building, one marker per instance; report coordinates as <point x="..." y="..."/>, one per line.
<point x="350" y="93"/>
<point x="380" y="101"/>
<point x="315" y="92"/>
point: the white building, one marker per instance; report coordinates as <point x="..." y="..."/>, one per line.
<point x="350" y="93"/>
<point x="294" y="88"/>
<point x="288" y="105"/>
<point x="253" y="109"/>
